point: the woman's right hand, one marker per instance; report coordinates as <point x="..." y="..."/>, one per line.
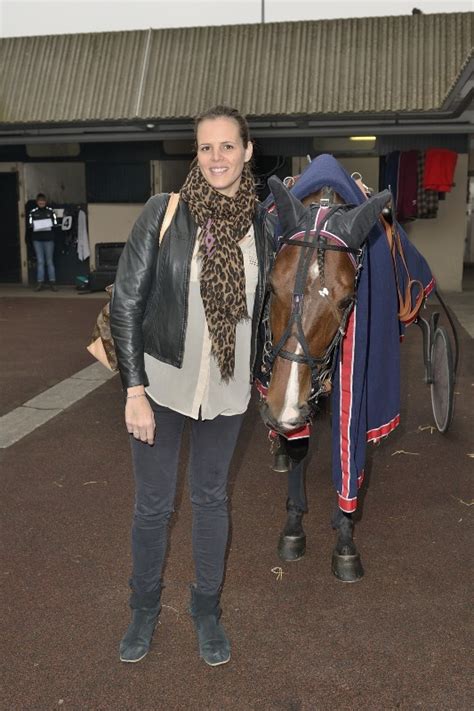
<point x="139" y="417"/>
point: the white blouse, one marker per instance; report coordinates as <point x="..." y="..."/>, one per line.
<point x="198" y="386"/>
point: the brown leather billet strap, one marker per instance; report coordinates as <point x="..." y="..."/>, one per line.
<point x="406" y="310"/>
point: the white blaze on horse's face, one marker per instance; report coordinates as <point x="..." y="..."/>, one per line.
<point x="314" y="271"/>
<point x="290" y="413"/>
<point x="291" y="410"/>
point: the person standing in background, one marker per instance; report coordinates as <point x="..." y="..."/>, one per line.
<point x="42" y="221"/>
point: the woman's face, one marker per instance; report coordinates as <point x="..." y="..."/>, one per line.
<point x="221" y="154"/>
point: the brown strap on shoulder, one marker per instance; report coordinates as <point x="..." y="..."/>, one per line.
<point x="406" y="310"/>
<point x="169" y="214"/>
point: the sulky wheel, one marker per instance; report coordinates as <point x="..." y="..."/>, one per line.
<point x="442" y="385"/>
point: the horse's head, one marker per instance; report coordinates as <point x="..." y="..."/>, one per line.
<point x="312" y="287"/>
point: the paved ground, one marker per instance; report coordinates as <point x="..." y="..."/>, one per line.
<point x="399" y="639"/>
<point x="43" y="342"/>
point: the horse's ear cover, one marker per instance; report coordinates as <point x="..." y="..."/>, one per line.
<point x="354" y="225"/>
<point x="291" y="212"/>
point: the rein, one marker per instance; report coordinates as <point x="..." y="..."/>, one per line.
<point x="322" y="368"/>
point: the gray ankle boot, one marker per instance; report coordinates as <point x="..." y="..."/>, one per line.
<point x="214" y="646"/>
<point x="137" y="640"/>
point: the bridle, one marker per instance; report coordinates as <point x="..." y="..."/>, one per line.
<point x="323" y="367"/>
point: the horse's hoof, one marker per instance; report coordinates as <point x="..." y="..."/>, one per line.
<point x="347" y="568"/>
<point x="281" y="463"/>
<point x="291" y="548"/>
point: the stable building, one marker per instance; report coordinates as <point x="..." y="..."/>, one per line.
<point x="101" y="121"/>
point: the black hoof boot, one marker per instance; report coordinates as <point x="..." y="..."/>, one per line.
<point x="137" y="640"/>
<point x="281" y="460"/>
<point x="214" y="646"/>
<point x="292" y="543"/>
<point x="346" y="562"/>
<point x="347" y="568"/>
<point x="281" y="463"/>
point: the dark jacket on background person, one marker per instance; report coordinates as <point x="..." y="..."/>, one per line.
<point x="149" y="306"/>
<point x="42" y="213"/>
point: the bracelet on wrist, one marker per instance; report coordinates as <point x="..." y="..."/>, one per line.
<point x="132" y="397"/>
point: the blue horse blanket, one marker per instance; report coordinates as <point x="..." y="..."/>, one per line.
<point x="366" y="384"/>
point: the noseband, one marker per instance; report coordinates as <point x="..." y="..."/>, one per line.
<point x="322" y="368"/>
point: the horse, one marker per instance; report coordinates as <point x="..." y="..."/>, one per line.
<point x="312" y="291"/>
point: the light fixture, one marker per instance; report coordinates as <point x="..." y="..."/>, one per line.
<point x="363" y="138"/>
<point x="150" y="125"/>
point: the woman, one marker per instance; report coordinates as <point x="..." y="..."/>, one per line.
<point x="184" y="318"/>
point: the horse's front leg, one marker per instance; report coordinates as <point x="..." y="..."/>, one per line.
<point x="292" y="541"/>
<point x="346" y="563"/>
<point x="281" y="460"/>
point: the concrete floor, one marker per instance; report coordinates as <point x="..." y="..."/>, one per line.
<point x="302" y="641"/>
<point x="462" y="303"/>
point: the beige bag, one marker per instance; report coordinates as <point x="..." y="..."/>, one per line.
<point x="102" y="344"/>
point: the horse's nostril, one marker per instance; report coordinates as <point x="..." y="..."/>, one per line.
<point x="304" y="410"/>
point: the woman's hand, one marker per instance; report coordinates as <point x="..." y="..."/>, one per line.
<point x="139" y="417"/>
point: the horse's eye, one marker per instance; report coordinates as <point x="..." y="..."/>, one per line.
<point x="345" y="302"/>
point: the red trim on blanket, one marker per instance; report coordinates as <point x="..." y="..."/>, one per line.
<point x="350" y="505"/>
<point x="346" y="402"/>
<point x="347" y="505"/>
<point x="384" y="430"/>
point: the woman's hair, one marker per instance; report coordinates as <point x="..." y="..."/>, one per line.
<point x="226" y="112"/>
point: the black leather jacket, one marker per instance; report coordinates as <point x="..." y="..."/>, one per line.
<point x="149" y="306"/>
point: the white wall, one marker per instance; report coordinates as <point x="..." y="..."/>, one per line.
<point x="367" y="167"/>
<point x="110" y="223"/>
<point x="169" y="175"/>
<point x="113" y="222"/>
<point x="441" y="241"/>
<point x="61" y="182"/>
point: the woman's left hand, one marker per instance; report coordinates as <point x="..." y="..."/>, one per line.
<point x="139" y="417"/>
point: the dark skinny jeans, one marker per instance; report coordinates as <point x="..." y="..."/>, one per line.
<point x="155" y="469"/>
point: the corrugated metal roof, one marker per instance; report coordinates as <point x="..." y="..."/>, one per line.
<point x="70" y="77"/>
<point x="364" y="65"/>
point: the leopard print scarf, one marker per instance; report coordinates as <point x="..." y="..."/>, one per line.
<point x="223" y="221"/>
